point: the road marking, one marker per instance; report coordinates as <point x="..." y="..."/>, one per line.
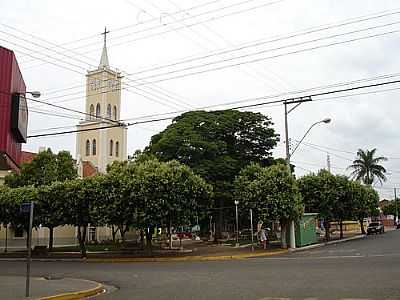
<point x="310" y="298"/>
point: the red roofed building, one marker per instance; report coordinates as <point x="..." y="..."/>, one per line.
<point x="27" y="157"/>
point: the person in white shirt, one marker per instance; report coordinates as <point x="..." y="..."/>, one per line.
<point x="263" y="238"/>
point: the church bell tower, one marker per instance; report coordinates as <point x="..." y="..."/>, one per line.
<point x="94" y="143"/>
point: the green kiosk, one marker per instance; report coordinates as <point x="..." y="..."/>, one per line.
<point x="306" y="230"/>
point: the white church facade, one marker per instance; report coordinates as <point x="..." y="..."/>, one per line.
<point x="101" y="137"/>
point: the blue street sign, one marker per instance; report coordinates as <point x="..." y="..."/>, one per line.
<point x="25" y="208"/>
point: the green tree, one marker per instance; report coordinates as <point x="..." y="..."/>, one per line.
<point x="81" y="198"/>
<point x="367" y="168"/>
<point x="50" y="208"/>
<point x="10" y="202"/>
<point x="44" y="169"/>
<point x="271" y="192"/>
<point x="365" y="202"/>
<point x="342" y="204"/>
<point x="217" y="145"/>
<point x="121" y="198"/>
<point x="393" y="208"/>
<point x="325" y="195"/>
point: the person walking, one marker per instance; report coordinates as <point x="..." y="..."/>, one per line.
<point x="263" y="238"/>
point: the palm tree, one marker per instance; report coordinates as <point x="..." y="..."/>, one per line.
<point x="366" y="167"/>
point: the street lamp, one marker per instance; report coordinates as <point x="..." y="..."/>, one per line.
<point x="237" y="223"/>
<point x="34" y="94"/>
<point x="326" y="121"/>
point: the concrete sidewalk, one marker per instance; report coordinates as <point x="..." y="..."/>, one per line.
<point x="13" y="288"/>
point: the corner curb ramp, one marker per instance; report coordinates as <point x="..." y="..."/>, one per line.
<point x="78" y="294"/>
<point x="186" y="258"/>
<point x="310" y="247"/>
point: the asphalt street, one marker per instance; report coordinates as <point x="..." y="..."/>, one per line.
<point x="362" y="269"/>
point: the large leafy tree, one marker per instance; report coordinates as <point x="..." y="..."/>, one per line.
<point x="271" y="192"/>
<point x="121" y="202"/>
<point x="80" y="199"/>
<point x="217" y="145"/>
<point x="327" y="195"/>
<point x="367" y="167"/>
<point x="171" y="194"/>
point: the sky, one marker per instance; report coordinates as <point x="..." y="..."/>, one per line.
<point x="178" y="55"/>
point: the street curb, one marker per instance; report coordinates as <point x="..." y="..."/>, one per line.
<point x="44" y="259"/>
<point x="77" y="295"/>
<point x="357" y="237"/>
<point x="186" y="258"/>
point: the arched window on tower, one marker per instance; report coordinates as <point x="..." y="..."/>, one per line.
<point x="116" y="149"/>
<point x="91" y="111"/>
<point x="115" y="112"/>
<point x="111" y="147"/>
<point x="109" y="111"/>
<point x="87" y="148"/>
<point x="98" y="110"/>
<point x="94" y="147"/>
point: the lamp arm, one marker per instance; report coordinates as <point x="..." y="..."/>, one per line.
<point x="298" y="144"/>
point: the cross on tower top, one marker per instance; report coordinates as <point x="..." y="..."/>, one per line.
<point x="105" y="34"/>
<point x="104" y="56"/>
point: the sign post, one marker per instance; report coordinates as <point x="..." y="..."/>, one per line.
<point x="28" y="208"/>
<point x="251" y="228"/>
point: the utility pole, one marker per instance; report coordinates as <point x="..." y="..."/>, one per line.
<point x="296" y="101"/>
<point x="328" y="162"/>
<point x="27" y="208"/>
<point x="251" y="228"/>
<point x="395" y="205"/>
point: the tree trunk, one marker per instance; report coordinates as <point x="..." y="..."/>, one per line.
<point x="283" y="234"/>
<point x="114" y="232"/>
<point x="51" y="238"/>
<point x="122" y="230"/>
<point x="82" y="240"/>
<point x="341" y="228"/>
<point x="327" y="226"/>
<point x="362" y="226"/>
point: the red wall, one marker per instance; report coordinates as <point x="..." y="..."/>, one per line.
<point x="11" y="81"/>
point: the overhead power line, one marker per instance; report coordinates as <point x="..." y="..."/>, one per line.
<point x="279" y="38"/>
<point x="272" y="40"/>
<point x="73" y="110"/>
<point x="237" y="107"/>
<point x="254" y="60"/>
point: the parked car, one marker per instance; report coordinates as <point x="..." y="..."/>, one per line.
<point x="375" y="227"/>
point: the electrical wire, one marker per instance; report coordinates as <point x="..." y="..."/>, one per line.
<point x="237" y="107"/>
<point x="265" y="58"/>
